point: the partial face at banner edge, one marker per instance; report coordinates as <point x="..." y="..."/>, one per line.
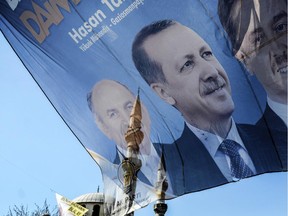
<point x="264" y="46"/>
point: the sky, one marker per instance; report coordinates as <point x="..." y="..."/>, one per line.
<point x="40" y="156"/>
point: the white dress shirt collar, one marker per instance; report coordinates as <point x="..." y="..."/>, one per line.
<point x="212" y="141"/>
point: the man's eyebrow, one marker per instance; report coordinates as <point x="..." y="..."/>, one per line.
<point x="189" y="56"/>
<point x="205" y="47"/>
<point x="279" y="16"/>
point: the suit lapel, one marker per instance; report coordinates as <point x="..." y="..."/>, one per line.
<point x="200" y="170"/>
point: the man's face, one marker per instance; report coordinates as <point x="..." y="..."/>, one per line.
<point x="113" y="104"/>
<point x="264" y="47"/>
<point x="197" y="85"/>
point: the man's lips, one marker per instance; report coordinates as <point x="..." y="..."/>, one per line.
<point x="282" y="70"/>
<point x="214" y="89"/>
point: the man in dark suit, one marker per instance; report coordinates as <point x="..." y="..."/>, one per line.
<point x="198" y="167"/>
<point x="258" y="34"/>
<point x="180" y="67"/>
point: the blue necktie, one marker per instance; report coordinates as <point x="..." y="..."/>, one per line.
<point x="239" y="169"/>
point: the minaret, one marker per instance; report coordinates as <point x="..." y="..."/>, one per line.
<point x="132" y="164"/>
<point x="161" y="207"/>
<point x="134" y="136"/>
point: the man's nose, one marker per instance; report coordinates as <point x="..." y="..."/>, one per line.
<point x="124" y="116"/>
<point x="209" y="72"/>
<point x="278" y="44"/>
<point x="278" y="51"/>
<point x="124" y="126"/>
<point x="281" y="57"/>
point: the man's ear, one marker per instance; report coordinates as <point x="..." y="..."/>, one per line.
<point x="243" y="59"/>
<point x="161" y="91"/>
<point x="240" y="55"/>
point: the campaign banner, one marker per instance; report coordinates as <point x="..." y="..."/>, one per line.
<point x="211" y="76"/>
<point x="69" y="208"/>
